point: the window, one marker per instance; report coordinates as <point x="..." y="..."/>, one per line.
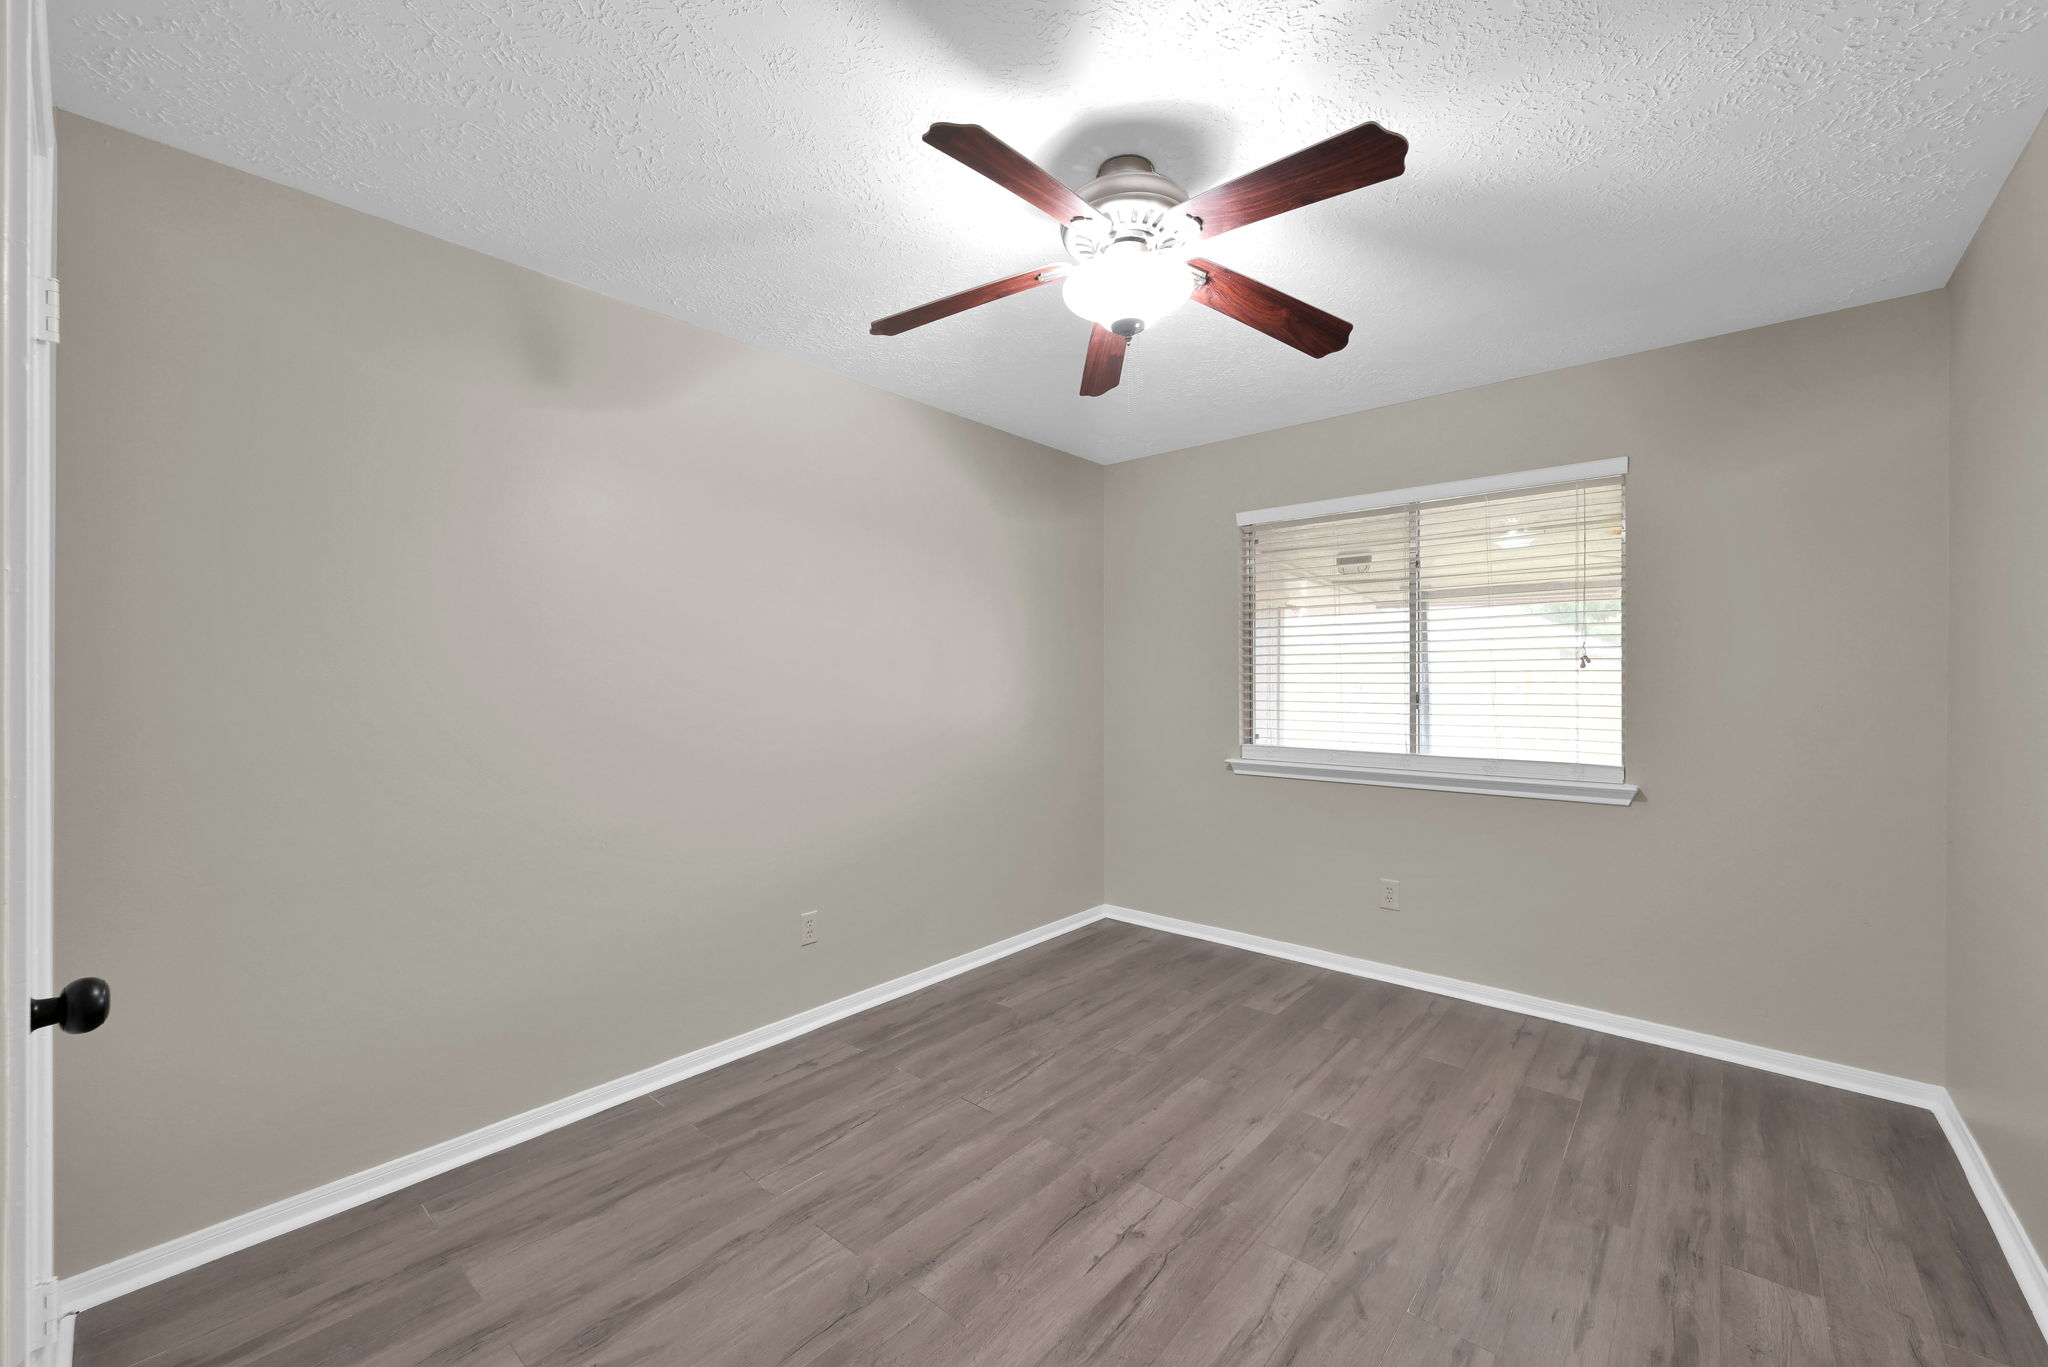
<point x="1464" y="636"/>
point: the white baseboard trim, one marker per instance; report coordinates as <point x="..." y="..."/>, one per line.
<point x="1606" y="1022"/>
<point x="2026" y="1261"/>
<point x="2027" y="1265"/>
<point x="137" y="1270"/>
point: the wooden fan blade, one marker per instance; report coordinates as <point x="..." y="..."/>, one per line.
<point x="1280" y="316"/>
<point x="967" y="299"/>
<point x="1352" y="160"/>
<point x="978" y="149"/>
<point x="1105" y="363"/>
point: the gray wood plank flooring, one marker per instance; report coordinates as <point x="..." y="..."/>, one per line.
<point x="1124" y="1147"/>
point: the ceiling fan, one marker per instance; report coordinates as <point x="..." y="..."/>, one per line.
<point x="1131" y="233"/>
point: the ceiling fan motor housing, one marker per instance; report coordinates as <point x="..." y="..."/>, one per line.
<point x="1131" y="177"/>
<point x="1137" y="207"/>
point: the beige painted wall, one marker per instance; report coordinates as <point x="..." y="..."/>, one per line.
<point x="1780" y="880"/>
<point x="466" y="680"/>
<point x="1998" y="733"/>
<point x="441" y="734"/>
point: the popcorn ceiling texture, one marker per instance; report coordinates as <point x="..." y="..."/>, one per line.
<point x="1587" y="178"/>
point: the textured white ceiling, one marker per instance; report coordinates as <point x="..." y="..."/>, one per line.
<point x="1586" y="178"/>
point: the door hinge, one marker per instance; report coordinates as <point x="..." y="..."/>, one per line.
<point x="49" y="309"/>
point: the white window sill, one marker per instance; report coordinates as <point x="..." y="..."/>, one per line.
<point x="1496" y="785"/>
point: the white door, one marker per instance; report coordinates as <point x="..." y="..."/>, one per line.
<point x="28" y="349"/>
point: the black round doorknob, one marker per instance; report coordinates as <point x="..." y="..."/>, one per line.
<point x="82" y="1005"/>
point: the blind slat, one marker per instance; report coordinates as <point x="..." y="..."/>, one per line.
<point x="1483" y="627"/>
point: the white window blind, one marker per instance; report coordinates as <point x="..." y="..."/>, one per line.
<point x="1473" y="633"/>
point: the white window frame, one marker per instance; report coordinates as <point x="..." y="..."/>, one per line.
<point x="1596" y="783"/>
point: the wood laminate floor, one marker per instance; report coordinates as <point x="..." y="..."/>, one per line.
<point x="1124" y="1147"/>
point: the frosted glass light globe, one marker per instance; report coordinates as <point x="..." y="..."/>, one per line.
<point x="1126" y="283"/>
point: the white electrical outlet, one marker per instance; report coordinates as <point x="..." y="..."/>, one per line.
<point x="810" y="929"/>
<point x="1390" y="894"/>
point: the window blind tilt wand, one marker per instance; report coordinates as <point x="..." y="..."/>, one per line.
<point x="1471" y="631"/>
